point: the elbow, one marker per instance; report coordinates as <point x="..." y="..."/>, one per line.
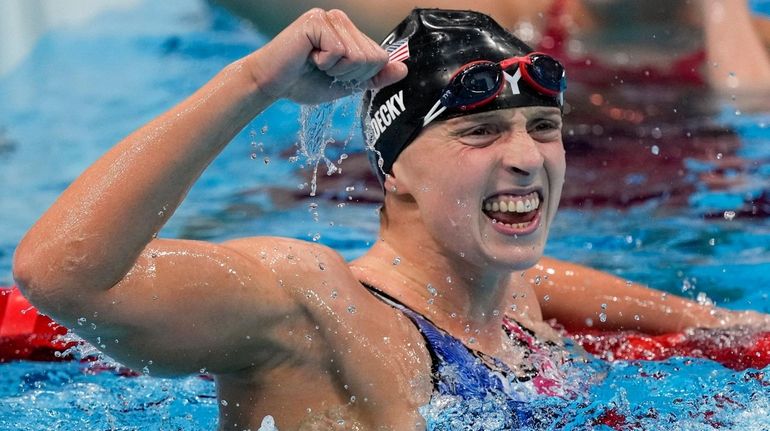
<point x="25" y="269"/>
<point x="31" y="273"/>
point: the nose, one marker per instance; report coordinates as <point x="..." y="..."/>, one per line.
<point x="521" y="155"/>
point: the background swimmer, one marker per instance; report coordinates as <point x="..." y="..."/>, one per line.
<point x="622" y="34"/>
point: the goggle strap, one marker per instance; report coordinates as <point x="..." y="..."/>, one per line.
<point x="434" y="112"/>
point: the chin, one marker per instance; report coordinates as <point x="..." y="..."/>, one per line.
<point x="516" y="260"/>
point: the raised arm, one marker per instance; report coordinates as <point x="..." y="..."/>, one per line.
<point x="93" y="254"/>
<point x="579" y="297"/>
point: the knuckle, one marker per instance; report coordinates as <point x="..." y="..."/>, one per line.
<point x="315" y="12"/>
<point x="338" y="14"/>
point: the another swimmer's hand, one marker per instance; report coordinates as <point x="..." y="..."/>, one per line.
<point x="320" y="57"/>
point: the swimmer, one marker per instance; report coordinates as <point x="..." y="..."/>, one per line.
<point x="682" y="42"/>
<point x="468" y="124"/>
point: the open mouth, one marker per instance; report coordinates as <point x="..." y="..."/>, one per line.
<point x="513" y="211"/>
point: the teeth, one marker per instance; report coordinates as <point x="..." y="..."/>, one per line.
<point x="518" y="225"/>
<point x="513" y="204"/>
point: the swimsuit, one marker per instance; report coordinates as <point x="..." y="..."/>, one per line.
<point x="465" y="374"/>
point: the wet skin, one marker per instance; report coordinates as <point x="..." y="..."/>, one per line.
<point x="285" y="326"/>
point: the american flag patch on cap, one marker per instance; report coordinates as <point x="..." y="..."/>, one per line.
<point x="398" y="50"/>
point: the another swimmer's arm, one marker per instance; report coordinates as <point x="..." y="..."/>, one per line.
<point x="378" y="18"/>
<point x="737" y="57"/>
<point x="579" y="297"/>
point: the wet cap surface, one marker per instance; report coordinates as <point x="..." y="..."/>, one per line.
<point x="434" y="44"/>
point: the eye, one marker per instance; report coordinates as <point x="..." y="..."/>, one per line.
<point x="545" y="129"/>
<point x="480" y="135"/>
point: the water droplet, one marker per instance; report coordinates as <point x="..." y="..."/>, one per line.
<point x="264" y="129"/>
<point x="603" y="317"/>
<point x="712" y="241"/>
<point x="386" y="340"/>
<point x="396" y="260"/>
<point x="352" y="309"/>
<point x="604" y="306"/>
<point x="321" y="266"/>
<point x="729" y="215"/>
<point x="449" y="279"/>
<point x="472" y="340"/>
<point x="432" y="290"/>
<point x="637" y="317"/>
<point x="81" y="321"/>
<point x="538" y="280"/>
<point x="352" y="400"/>
<point x="547" y="298"/>
<point x="655" y="150"/>
<point x="223" y="402"/>
<point x="333" y="294"/>
<point x="350" y="188"/>
<point x="253" y="156"/>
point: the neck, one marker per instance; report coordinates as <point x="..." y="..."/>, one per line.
<point x="463" y="299"/>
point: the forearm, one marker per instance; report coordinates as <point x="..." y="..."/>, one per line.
<point x="579" y="297"/>
<point x="737" y="57"/>
<point x="92" y="234"/>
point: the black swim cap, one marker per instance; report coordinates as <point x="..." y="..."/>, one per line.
<point x="434" y="44"/>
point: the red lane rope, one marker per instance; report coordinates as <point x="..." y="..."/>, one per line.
<point x="27" y="334"/>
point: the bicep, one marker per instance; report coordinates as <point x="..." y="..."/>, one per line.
<point x="187" y="305"/>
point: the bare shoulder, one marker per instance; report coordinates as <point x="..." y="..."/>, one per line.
<point x="281" y="253"/>
<point x="298" y="266"/>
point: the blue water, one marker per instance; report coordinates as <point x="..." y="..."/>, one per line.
<point x="82" y="89"/>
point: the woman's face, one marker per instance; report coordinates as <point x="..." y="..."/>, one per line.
<point x="487" y="185"/>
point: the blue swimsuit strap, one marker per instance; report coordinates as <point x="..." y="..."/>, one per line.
<point x="457" y="370"/>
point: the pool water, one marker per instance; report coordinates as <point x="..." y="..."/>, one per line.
<point x="83" y="89"/>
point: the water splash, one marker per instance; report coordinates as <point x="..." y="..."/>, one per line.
<point x="317" y="132"/>
<point x="268" y="424"/>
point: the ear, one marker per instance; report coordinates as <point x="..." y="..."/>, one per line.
<point x="391" y="184"/>
<point x="397" y="181"/>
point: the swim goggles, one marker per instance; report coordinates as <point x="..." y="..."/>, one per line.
<point x="479" y="82"/>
